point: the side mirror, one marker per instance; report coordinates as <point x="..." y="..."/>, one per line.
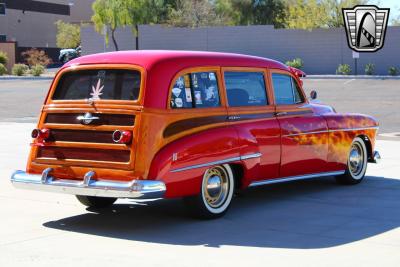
<point x="313" y="95"/>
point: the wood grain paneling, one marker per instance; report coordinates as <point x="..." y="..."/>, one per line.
<point x="105" y="119"/>
<point x="61" y="153"/>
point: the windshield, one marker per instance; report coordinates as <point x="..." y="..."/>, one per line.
<point x="99" y="84"/>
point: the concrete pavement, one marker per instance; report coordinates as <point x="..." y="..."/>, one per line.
<point x="305" y="223"/>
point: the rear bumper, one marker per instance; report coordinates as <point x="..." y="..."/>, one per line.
<point x="139" y="189"/>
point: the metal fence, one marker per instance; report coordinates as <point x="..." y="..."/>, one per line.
<point x="321" y="50"/>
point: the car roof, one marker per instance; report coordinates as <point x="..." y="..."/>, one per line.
<point x="161" y="66"/>
<point x="181" y="59"/>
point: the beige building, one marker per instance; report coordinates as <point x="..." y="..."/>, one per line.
<point x="30" y="23"/>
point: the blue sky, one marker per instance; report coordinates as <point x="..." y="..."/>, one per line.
<point x="394" y="6"/>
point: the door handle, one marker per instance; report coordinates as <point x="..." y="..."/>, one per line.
<point x="283" y="113"/>
<point x="232" y="118"/>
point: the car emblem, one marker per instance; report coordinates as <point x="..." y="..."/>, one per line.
<point x="365" y="27"/>
<point x="87" y="118"/>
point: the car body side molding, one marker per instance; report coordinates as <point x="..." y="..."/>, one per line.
<point x="295" y="178"/>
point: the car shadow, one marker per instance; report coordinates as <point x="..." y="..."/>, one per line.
<point x="315" y="213"/>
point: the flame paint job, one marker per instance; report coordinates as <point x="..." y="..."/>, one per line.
<point x="310" y="138"/>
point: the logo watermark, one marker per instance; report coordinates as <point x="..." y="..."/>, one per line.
<point x="365" y="27"/>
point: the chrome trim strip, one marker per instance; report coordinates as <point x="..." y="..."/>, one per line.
<point x="143" y="189"/>
<point x="206" y="164"/>
<point x="249" y="156"/>
<point x="331" y="131"/>
<point x="295" y="178"/>
<point x="354" y="129"/>
<point x="297" y="134"/>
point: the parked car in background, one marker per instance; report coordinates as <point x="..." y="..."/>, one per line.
<point x="69" y="54"/>
<point x="194" y="125"/>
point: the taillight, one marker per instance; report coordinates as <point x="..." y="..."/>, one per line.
<point x="122" y="137"/>
<point x="41" y="134"/>
<point x="35" y="133"/>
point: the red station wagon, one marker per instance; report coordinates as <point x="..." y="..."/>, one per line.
<point x="196" y="125"/>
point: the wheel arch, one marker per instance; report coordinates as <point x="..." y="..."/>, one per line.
<point x="238" y="174"/>
<point x="368" y="144"/>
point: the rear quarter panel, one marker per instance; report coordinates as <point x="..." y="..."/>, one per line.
<point x="199" y="148"/>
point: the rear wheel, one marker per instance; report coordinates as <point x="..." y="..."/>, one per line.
<point x="96" y="202"/>
<point x="216" y="193"/>
<point x="356" y="163"/>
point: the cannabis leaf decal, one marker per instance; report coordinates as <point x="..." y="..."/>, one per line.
<point x="97" y="91"/>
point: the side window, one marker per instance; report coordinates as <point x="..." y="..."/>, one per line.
<point x="245" y="89"/>
<point x="298" y="97"/>
<point x="286" y="90"/>
<point x="195" y="90"/>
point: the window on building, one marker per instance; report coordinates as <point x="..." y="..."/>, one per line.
<point x="245" y="89"/>
<point x="286" y="90"/>
<point x="3" y="38"/>
<point x="195" y="90"/>
<point x="2" y="9"/>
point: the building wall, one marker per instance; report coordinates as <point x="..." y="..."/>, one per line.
<point x="94" y="42"/>
<point x="321" y="50"/>
<point x="37" y="29"/>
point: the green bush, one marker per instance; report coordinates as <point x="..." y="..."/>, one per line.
<point x="37" y="70"/>
<point x="19" y="69"/>
<point x="393" y="71"/>
<point x="3" y="69"/>
<point x="295" y="63"/>
<point x="343" y="69"/>
<point x="3" y="58"/>
<point x="369" y="68"/>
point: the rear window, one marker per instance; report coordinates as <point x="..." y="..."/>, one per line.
<point x="99" y="84"/>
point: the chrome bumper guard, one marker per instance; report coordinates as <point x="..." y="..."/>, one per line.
<point x="139" y="189"/>
<point x="376" y="157"/>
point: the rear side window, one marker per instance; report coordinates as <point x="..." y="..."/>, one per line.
<point x="195" y="90"/>
<point x="99" y="84"/>
<point x="245" y="89"/>
<point x="286" y="90"/>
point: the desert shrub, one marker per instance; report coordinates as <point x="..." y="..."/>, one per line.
<point x="19" y="69"/>
<point x="369" y="68"/>
<point x="343" y="69"/>
<point x="37" y="70"/>
<point x="3" y="69"/>
<point x="35" y="57"/>
<point x="295" y="63"/>
<point x="3" y="58"/>
<point x="393" y="71"/>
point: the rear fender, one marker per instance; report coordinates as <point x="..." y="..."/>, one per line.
<point x="181" y="164"/>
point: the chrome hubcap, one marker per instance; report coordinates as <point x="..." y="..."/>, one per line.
<point x="215" y="186"/>
<point x="356" y="159"/>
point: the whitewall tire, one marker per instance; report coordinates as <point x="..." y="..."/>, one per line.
<point x="216" y="193"/>
<point x="357" y="160"/>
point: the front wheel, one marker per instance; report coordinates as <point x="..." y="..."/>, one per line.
<point x="356" y="163"/>
<point x="216" y="194"/>
<point x="96" y="202"/>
